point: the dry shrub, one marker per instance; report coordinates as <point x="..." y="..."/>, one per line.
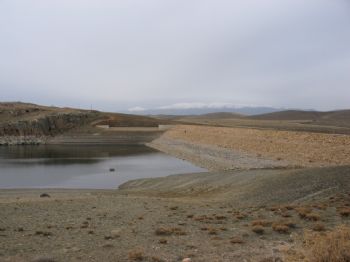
<point x="261" y="222"/>
<point x="236" y="240"/>
<point x="212" y="231"/>
<point x="285" y="214"/>
<point x="136" y="255"/>
<point x="241" y="216"/>
<point x="344" y="212"/>
<point x="333" y="246"/>
<point x="167" y="231"/>
<point x="289" y="207"/>
<point x="201" y="218"/>
<point x="163" y="241"/>
<point x="220" y="217"/>
<point x="313" y="217"/>
<point x="156" y="259"/>
<point x="318" y="227"/>
<point x="303" y="211"/>
<point x="280" y="228"/>
<point x="290" y="224"/>
<point x="258" y="229"/>
<point x="274" y="208"/>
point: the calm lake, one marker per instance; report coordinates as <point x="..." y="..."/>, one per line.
<point x="76" y="166"/>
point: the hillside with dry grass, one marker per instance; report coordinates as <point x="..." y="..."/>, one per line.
<point x="30" y="123"/>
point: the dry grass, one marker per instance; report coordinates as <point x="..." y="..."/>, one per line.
<point x="313" y="216"/>
<point x="333" y="246"/>
<point x="220" y="217"/>
<point x="280" y="228"/>
<point x="163" y="241"/>
<point x="318" y="227"/>
<point x="236" y="240"/>
<point x="303" y="211"/>
<point x="344" y="212"/>
<point x="290" y="224"/>
<point x="136" y="255"/>
<point x="167" y="231"/>
<point x="258" y="230"/>
<point x="261" y="222"/>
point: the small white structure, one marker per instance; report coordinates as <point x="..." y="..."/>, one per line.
<point x="103" y="126"/>
<point x="165" y="127"/>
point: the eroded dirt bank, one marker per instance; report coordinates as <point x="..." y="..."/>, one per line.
<point x="223" y="148"/>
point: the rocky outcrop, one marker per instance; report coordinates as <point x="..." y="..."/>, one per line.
<point x="22" y="140"/>
<point x="35" y="131"/>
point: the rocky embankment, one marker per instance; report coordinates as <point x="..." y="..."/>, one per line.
<point x="37" y="130"/>
<point x="218" y="148"/>
<point x="213" y="157"/>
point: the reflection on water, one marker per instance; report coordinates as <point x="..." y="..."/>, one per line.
<point x="83" y="166"/>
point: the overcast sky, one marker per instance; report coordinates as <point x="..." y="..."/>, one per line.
<point x="126" y="54"/>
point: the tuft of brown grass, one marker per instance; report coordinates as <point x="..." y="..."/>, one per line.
<point x="344" y="211"/>
<point x="241" y="216"/>
<point x="261" y="222"/>
<point x="280" y="228"/>
<point x="313" y="216"/>
<point x="318" y="227"/>
<point x="167" y="231"/>
<point x="333" y="246"/>
<point x="220" y="217"/>
<point x="163" y="241"/>
<point x="136" y="255"/>
<point x="212" y="231"/>
<point x="236" y="240"/>
<point x="258" y="230"/>
<point x="290" y="224"/>
<point x="303" y="211"/>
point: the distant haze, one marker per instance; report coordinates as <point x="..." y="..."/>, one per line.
<point x="139" y="55"/>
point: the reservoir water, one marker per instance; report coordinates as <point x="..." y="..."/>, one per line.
<point x="87" y="166"/>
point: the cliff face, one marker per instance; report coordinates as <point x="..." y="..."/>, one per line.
<point x="36" y="131"/>
<point x="45" y="126"/>
<point x="23" y="123"/>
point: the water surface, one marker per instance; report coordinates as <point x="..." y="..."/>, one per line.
<point x="77" y="166"/>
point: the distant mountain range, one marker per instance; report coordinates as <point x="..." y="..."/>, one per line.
<point x="202" y="111"/>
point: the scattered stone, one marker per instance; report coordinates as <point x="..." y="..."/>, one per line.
<point x="115" y="233"/>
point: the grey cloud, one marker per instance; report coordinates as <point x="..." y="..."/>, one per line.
<point x="124" y="54"/>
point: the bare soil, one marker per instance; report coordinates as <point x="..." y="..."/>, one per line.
<point x="231" y="216"/>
